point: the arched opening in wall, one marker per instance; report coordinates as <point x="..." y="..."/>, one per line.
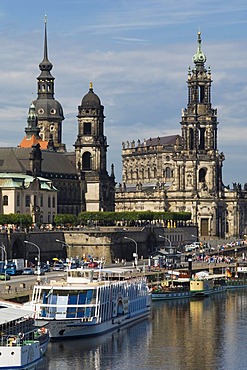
<point x="201" y="93"/>
<point x="202" y="175"/>
<point x="86" y="161"/>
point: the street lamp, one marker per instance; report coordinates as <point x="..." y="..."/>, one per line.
<point x="6" y="260"/>
<point x="136" y="253"/>
<point x="164" y="237"/>
<point x="38" y="267"/>
<point x="65" y="244"/>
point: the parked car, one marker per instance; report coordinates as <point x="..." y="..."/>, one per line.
<point x="2" y="276"/>
<point x="28" y="271"/>
<point x="58" y="266"/>
<point x="41" y="272"/>
<point x="45" y="267"/>
<point x="93" y="264"/>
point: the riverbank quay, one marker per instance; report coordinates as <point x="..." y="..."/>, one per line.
<point x="19" y="289"/>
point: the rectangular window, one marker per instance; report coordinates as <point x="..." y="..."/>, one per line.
<point x="41" y="201"/>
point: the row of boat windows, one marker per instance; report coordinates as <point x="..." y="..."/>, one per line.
<point x="89" y="296"/>
<point x="67" y="312"/>
<point x="65" y="303"/>
<point x="70" y="297"/>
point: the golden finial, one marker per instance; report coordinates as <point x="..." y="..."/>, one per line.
<point x="91" y="86"/>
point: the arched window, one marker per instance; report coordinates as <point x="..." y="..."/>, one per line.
<point x="49" y="202"/>
<point x="86" y="161"/>
<point x="53" y="202"/>
<point x="202" y="138"/>
<point x="167" y="173"/>
<point x="87" y="128"/>
<point x="5" y="200"/>
<point x="202" y="175"/>
<point x="27" y="201"/>
<point x="18" y="200"/>
<point x="191" y="139"/>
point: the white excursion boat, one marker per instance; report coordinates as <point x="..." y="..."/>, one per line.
<point x="21" y="344"/>
<point x="91" y="302"/>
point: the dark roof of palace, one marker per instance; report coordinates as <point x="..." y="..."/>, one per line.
<point x="164" y="140"/>
<point x="17" y="160"/>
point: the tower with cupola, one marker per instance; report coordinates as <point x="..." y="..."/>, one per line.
<point x="48" y="110"/>
<point x="91" y="149"/>
<point x="197" y="161"/>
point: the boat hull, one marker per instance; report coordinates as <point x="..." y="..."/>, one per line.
<point x="161" y="296"/>
<point x="65" y="329"/>
<point x="208" y="292"/>
<point x="20" y="357"/>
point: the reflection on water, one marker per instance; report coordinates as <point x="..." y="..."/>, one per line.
<point x="181" y="335"/>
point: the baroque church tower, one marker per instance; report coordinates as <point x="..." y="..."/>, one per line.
<point x="91" y="148"/>
<point x="199" y="164"/>
<point x="48" y="110"/>
<point x="187" y="167"/>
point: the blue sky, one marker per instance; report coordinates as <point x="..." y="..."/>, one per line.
<point x="137" y="54"/>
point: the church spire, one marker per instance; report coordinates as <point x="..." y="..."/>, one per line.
<point x="45" y="79"/>
<point x="45" y="65"/>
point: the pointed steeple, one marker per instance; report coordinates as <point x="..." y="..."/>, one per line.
<point x="45" y="79"/>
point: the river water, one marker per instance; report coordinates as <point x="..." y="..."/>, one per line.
<point x="205" y="334"/>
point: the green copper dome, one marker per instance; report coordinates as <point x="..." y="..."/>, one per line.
<point x="199" y="57"/>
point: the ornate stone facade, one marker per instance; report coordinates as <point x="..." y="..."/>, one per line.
<point x="81" y="175"/>
<point x="184" y="172"/>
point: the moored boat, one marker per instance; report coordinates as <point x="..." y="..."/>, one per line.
<point x="203" y="286"/>
<point x="172" y="289"/>
<point x="91" y="302"/>
<point x="21" y="344"/>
